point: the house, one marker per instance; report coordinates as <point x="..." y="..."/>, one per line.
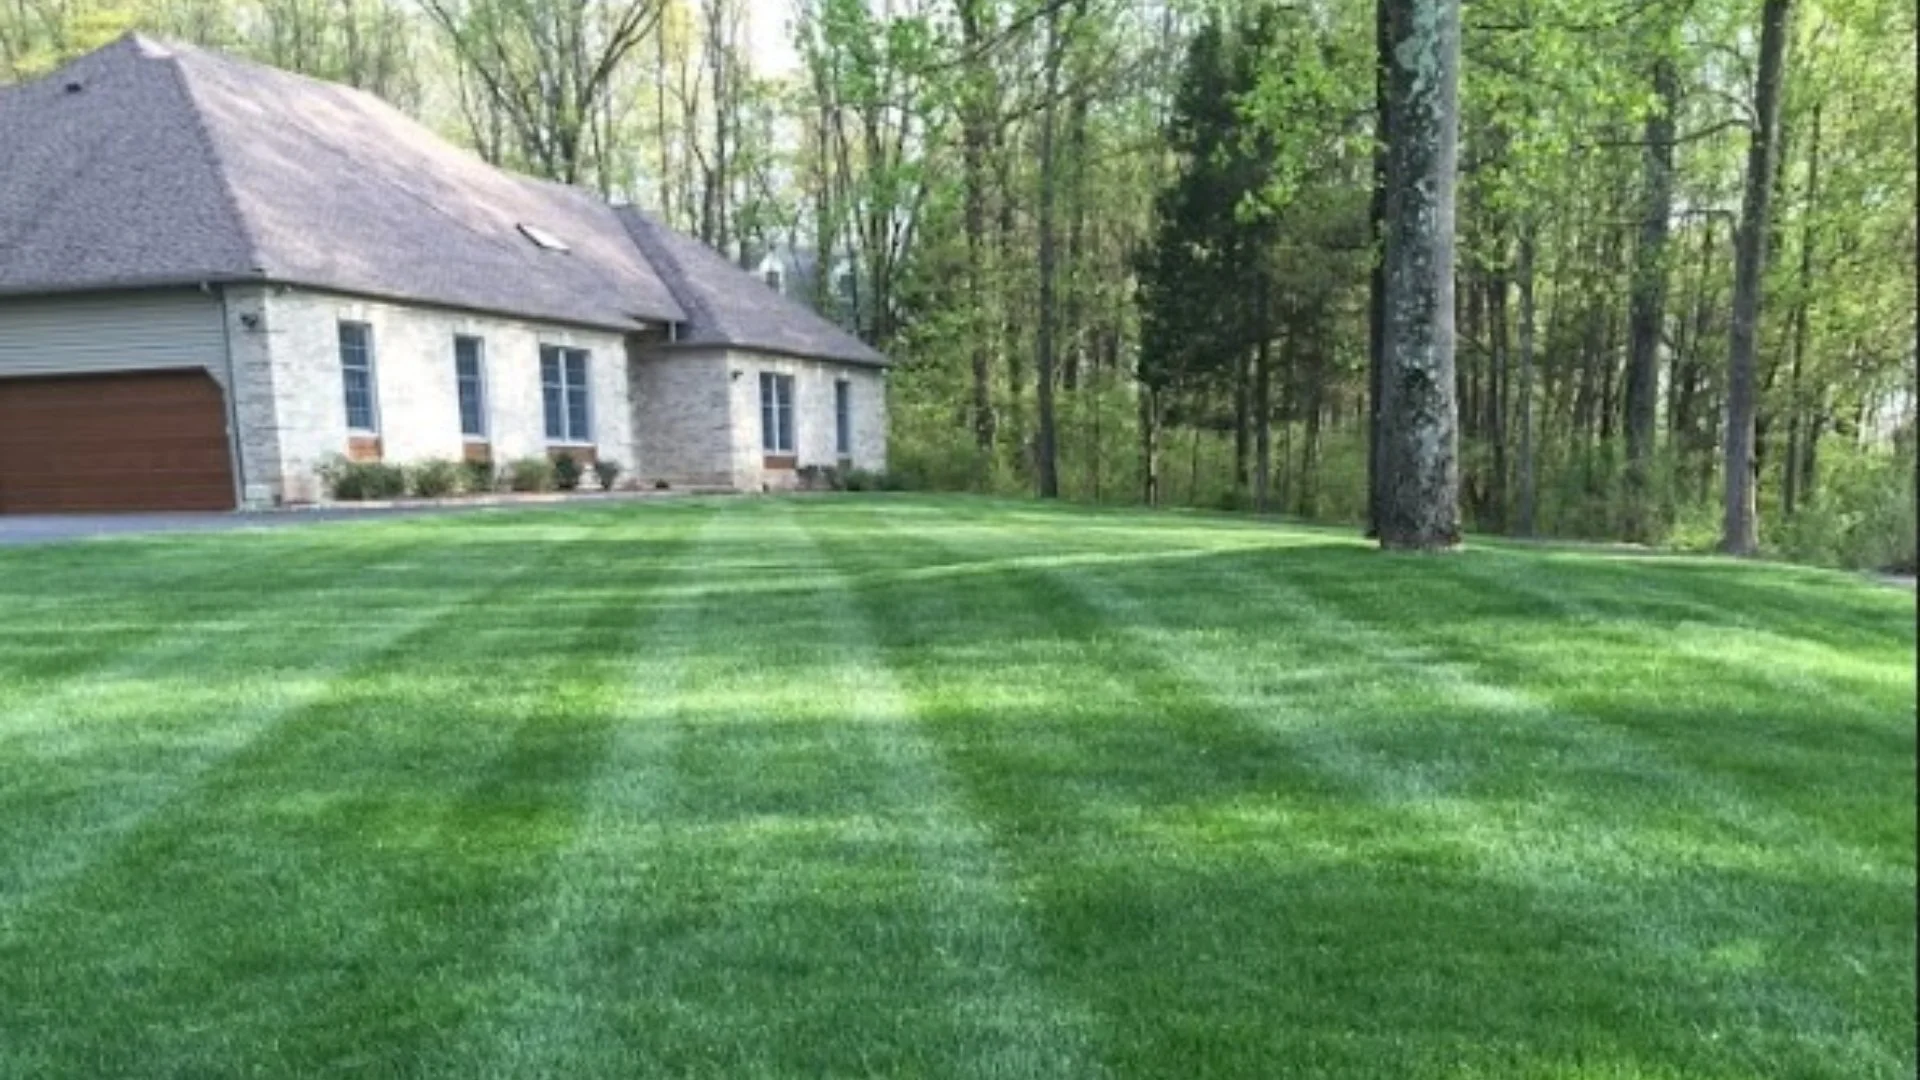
<point x="216" y="277"/>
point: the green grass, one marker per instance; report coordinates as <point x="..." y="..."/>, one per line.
<point x="918" y="787"/>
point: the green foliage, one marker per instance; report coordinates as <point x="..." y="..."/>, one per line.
<point x="354" y="481"/>
<point x="606" y="471"/>
<point x="434" y="478"/>
<point x="566" y="471"/>
<point x="478" y="477"/>
<point x="529" y="474"/>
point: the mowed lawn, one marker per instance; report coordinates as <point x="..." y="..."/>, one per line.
<point x="912" y="787"/>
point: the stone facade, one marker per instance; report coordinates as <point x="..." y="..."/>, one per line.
<point x="687" y="416"/>
<point x="290" y="400"/>
<point x="813" y="417"/>
<point x="697" y="416"/>
<point x="682" y="417"/>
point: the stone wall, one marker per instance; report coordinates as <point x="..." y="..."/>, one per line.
<point x="682" y="419"/>
<point x="813" y="417"/>
<point x="293" y="339"/>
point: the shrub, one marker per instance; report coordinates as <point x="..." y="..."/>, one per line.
<point x="606" y="471"/>
<point x="661" y="485"/>
<point x="435" y="478"/>
<point x="566" y="472"/>
<point x="353" y="481"/>
<point x="477" y="476"/>
<point x="862" y="480"/>
<point x="530" y="474"/>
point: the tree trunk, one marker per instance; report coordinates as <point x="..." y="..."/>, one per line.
<point x="1421" y="440"/>
<point x="1377" y="279"/>
<point x="1796" y="409"/>
<point x="1263" y="405"/>
<point x="1044" y="461"/>
<point x="1740" y="532"/>
<point x="976" y="134"/>
<point x="1649" y="300"/>
<point x="1150" y="447"/>
<point x="1523" y="271"/>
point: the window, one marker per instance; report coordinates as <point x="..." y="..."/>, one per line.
<point x="543" y="239"/>
<point x="467" y="374"/>
<point x="563" y="392"/>
<point x="776" y="413"/>
<point x="356" y="376"/>
<point x="843" y="418"/>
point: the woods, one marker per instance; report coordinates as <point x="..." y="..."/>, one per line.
<point x="1160" y="251"/>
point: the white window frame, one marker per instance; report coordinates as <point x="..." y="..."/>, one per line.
<point x="372" y="372"/>
<point x="777" y="435"/>
<point x="561" y="354"/>
<point x="479" y="385"/>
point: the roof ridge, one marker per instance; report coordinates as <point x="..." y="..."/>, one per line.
<point x="204" y="136"/>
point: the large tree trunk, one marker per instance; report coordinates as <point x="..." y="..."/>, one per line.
<point x="1740" y="534"/>
<point x="1045" y="465"/>
<point x="1377" y="280"/>
<point x="1420" y="444"/>
<point x="1649" y="302"/>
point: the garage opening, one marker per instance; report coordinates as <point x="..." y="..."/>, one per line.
<point x="152" y="440"/>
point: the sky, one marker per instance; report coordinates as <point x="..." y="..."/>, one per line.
<point x="769" y="36"/>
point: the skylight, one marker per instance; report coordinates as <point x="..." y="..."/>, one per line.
<point x="542" y="238"/>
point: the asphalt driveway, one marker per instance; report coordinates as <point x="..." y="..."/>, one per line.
<point x="16" y="529"/>
<point x="55" y="528"/>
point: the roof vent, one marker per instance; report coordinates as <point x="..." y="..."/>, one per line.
<point x="75" y="87"/>
<point x="543" y="239"/>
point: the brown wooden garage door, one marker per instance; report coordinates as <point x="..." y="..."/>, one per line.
<point x="137" y="441"/>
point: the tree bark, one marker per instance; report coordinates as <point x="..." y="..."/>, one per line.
<point x="1523" y="272"/>
<point x="1045" y="465"/>
<point x="1377" y="279"/>
<point x="1420" y="446"/>
<point x="976" y="135"/>
<point x="1649" y="301"/>
<point x="1740" y="530"/>
<point x="1263" y="405"/>
<point x="1796" y="409"/>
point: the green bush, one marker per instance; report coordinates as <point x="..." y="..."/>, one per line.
<point x="355" y="481"/>
<point x="606" y="470"/>
<point x="477" y="477"/>
<point x="435" y="478"/>
<point x="530" y="474"/>
<point x="566" y="472"/>
<point x="861" y="480"/>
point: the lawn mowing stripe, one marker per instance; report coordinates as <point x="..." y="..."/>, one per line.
<point x="1566" y="875"/>
<point x="556" y="1013"/>
<point x="769" y="924"/>
<point x="1214" y="675"/>
<point x="148" y="603"/>
<point x="339" y="833"/>
<point x="1016" y="1025"/>
<point x="62" y="812"/>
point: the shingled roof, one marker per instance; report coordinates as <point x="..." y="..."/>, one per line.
<point x="727" y="306"/>
<point x="148" y="164"/>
